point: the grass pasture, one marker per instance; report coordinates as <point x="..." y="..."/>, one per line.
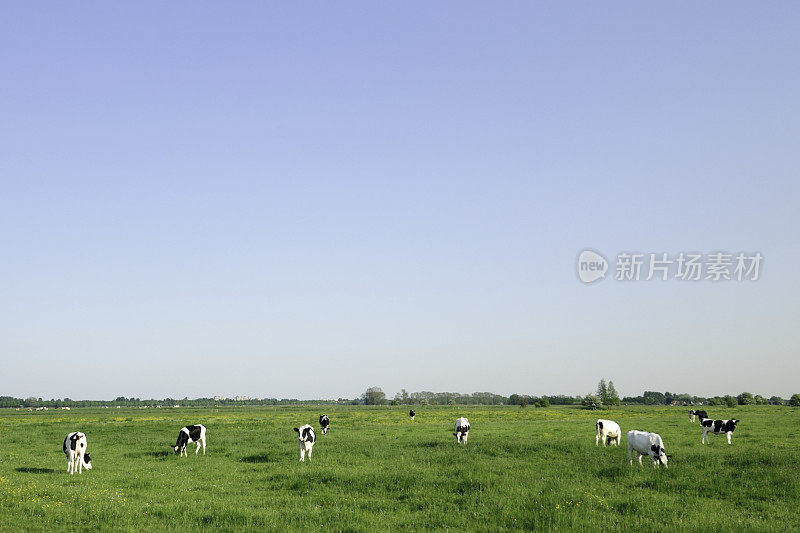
<point x="523" y="468"/>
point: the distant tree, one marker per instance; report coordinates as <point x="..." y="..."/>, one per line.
<point x="760" y="400"/>
<point x="746" y="398"/>
<point x="394" y="402"/>
<point x="776" y="400"/>
<point x="654" y="398"/>
<point x="715" y="401"/>
<point x="602" y="391"/>
<point x="544" y="402"/>
<point x="729" y="400"/>
<point x="795" y="400"/>
<point x="513" y="399"/>
<point x="523" y="402"/>
<point x="612" y="398"/>
<point x="374" y="396"/>
<point x="592" y="402"/>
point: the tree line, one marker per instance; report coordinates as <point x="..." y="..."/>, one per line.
<point x="605" y="396"/>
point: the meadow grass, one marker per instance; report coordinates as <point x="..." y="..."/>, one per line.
<point x="376" y="470"/>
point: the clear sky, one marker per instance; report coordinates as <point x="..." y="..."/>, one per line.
<point x="304" y="200"/>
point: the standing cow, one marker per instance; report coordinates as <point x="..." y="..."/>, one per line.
<point x="462" y="430"/>
<point x="716" y="426"/>
<point x="324" y="422"/>
<point x="188" y="435"/>
<point x="699" y="414"/>
<point x="607" y="431"/>
<point x="305" y="438"/>
<point x="412" y="414"/>
<point x="644" y="443"/>
<point x="75" y="450"/>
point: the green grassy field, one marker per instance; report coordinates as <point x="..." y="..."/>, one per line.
<point x="376" y="470"/>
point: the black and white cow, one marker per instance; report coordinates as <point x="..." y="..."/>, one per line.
<point x="324" y="422"/>
<point x="645" y="443"/>
<point x="608" y="432"/>
<point x="699" y="414"/>
<point x="716" y="426"/>
<point x="305" y="438"/>
<point x="188" y="435"/>
<point x="412" y="414"/>
<point x="462" y="430"/>
<point x="75" y="450"/>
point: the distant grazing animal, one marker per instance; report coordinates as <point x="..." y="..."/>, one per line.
<point x="699" y="414"/>
<point x="716" y="426"/>
<point x="75" y="449"/>
<point x="462" y="430"/>
<point x="305" y="438"/>
<point x="608" y="431"/>
<point x="324" y="421"/>
<point x="412" y="414"/>
<point x="188" y="435"/>
<point x="644" y="443"/>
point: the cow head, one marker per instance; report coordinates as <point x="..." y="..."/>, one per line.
<point x="658" y="454"/>
<point x="87" y="461"/>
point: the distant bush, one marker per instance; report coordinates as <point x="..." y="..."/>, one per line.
<point x="730" y="401"/>
<point x="543" y="403"/>
<point x="795" y="400"/>
<point x="592" y="402"/>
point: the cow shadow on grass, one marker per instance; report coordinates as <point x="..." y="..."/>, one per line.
<point x="265" y="457"/>
<point x="156" y="454"/>
<point x="34" y="470"/>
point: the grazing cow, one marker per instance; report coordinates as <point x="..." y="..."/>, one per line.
<point x="644" y="443"/>
<point x="708" y="425"/>
<point x="699" y="414"/>
<point x="412" y="414"/>
<point x="75" y="449"/>
<point x="608" y="431"/>
<point x="324" y="422"/>
<point x="188" y="435"/>
<point x="305" y="438"/>
<point x="462" y="430"/>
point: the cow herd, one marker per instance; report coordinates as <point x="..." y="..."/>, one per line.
<point x="640" y="443"/>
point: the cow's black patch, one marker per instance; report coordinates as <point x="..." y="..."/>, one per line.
<point x="86" y="458"/>
<point x="194" y="432"/>
<point x="718" y="425"/>
<point x="411" y="413"/>
<point x="707" y="422"/>
<point x="729" y="425"/>
<point x="73" y="441"/>
<point x="324" y="421"/>
<point x="701" y="414"/>
<point x="599" y="425"/>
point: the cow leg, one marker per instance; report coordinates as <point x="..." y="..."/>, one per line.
<point x="310" y="449"/>
<point x="630" y="457"/>
<point x="597" y="439"/>
<point x="198" y="448"/>
<point x="729" y="437"/>
<point x="204" y="446"/>
<point x="640" y="459"/>
<point x="302" y="454"/>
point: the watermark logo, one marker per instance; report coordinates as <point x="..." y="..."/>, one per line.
<point x="591" y="266"/>
<point x="683" y="266"/>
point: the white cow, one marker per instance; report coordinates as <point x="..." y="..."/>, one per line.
<point x="645" y="443"/>
<point x="75" y="449"/>
<point x="608" y="431"/>
<point x="462" y="430"/>
<point x="305" y="438"/>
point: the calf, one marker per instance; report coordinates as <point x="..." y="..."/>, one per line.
<point x="608" y="431"/>
<point x="699" y="414"/>
<point x="716" y="426"/>
<point x="644" y="443"/>
<point x="412" y="414"/>
<point x="324" y="422"/>
<point x="305" y="438"/>
<point x="462" y="430"/>
<point x="75" y="449"/>
<point x="188" y="435"/>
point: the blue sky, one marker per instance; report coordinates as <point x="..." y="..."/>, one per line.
<point x="304" y="201"/>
